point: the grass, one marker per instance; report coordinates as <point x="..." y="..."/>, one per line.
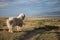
<point x="45" y="36"/>
<point x="35" y="29"/>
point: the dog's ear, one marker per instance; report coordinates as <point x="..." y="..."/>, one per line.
<point x="23" y="17"/>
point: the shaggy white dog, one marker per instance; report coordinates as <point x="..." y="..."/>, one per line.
<point x="15" y="22"/>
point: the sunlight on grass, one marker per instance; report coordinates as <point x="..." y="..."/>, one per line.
<point x="31" y="26"/>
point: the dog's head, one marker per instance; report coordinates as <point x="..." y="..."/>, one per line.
<point x="21" y="16"/>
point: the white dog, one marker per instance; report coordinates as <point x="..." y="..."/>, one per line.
<point x="17" y="21"/>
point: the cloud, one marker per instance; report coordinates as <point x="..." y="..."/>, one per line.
<point x="7" y="0"/>
<point x="52" y="3"/>
<point x="45" y="4"/>
<point x="25" y="1"/>
<point x="3" y="4"/>
<point x="54" y="9"/>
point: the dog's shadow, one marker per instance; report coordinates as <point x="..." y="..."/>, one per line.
<point x="36" y="31"/>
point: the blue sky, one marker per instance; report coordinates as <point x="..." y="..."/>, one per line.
<point x="28" y="7"/>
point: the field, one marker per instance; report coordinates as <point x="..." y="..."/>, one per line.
<point x="43" y="28"/>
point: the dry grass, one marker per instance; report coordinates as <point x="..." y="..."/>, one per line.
<point x="35" y="29"/>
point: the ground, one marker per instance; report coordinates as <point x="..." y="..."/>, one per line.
<point x="33" y="29"/>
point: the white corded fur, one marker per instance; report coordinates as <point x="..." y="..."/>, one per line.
<point x="17" y="21"/>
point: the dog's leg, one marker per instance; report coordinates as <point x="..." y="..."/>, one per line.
<point x="18" y="28"/>
<point x="9" y="26"/>
<point x="11" y="29"/>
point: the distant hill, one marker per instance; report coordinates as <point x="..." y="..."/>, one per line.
<point x="53" y="13"/>
<point x="49" y="14"/>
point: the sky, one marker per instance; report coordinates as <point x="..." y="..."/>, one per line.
<point x="29" y="7"/>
